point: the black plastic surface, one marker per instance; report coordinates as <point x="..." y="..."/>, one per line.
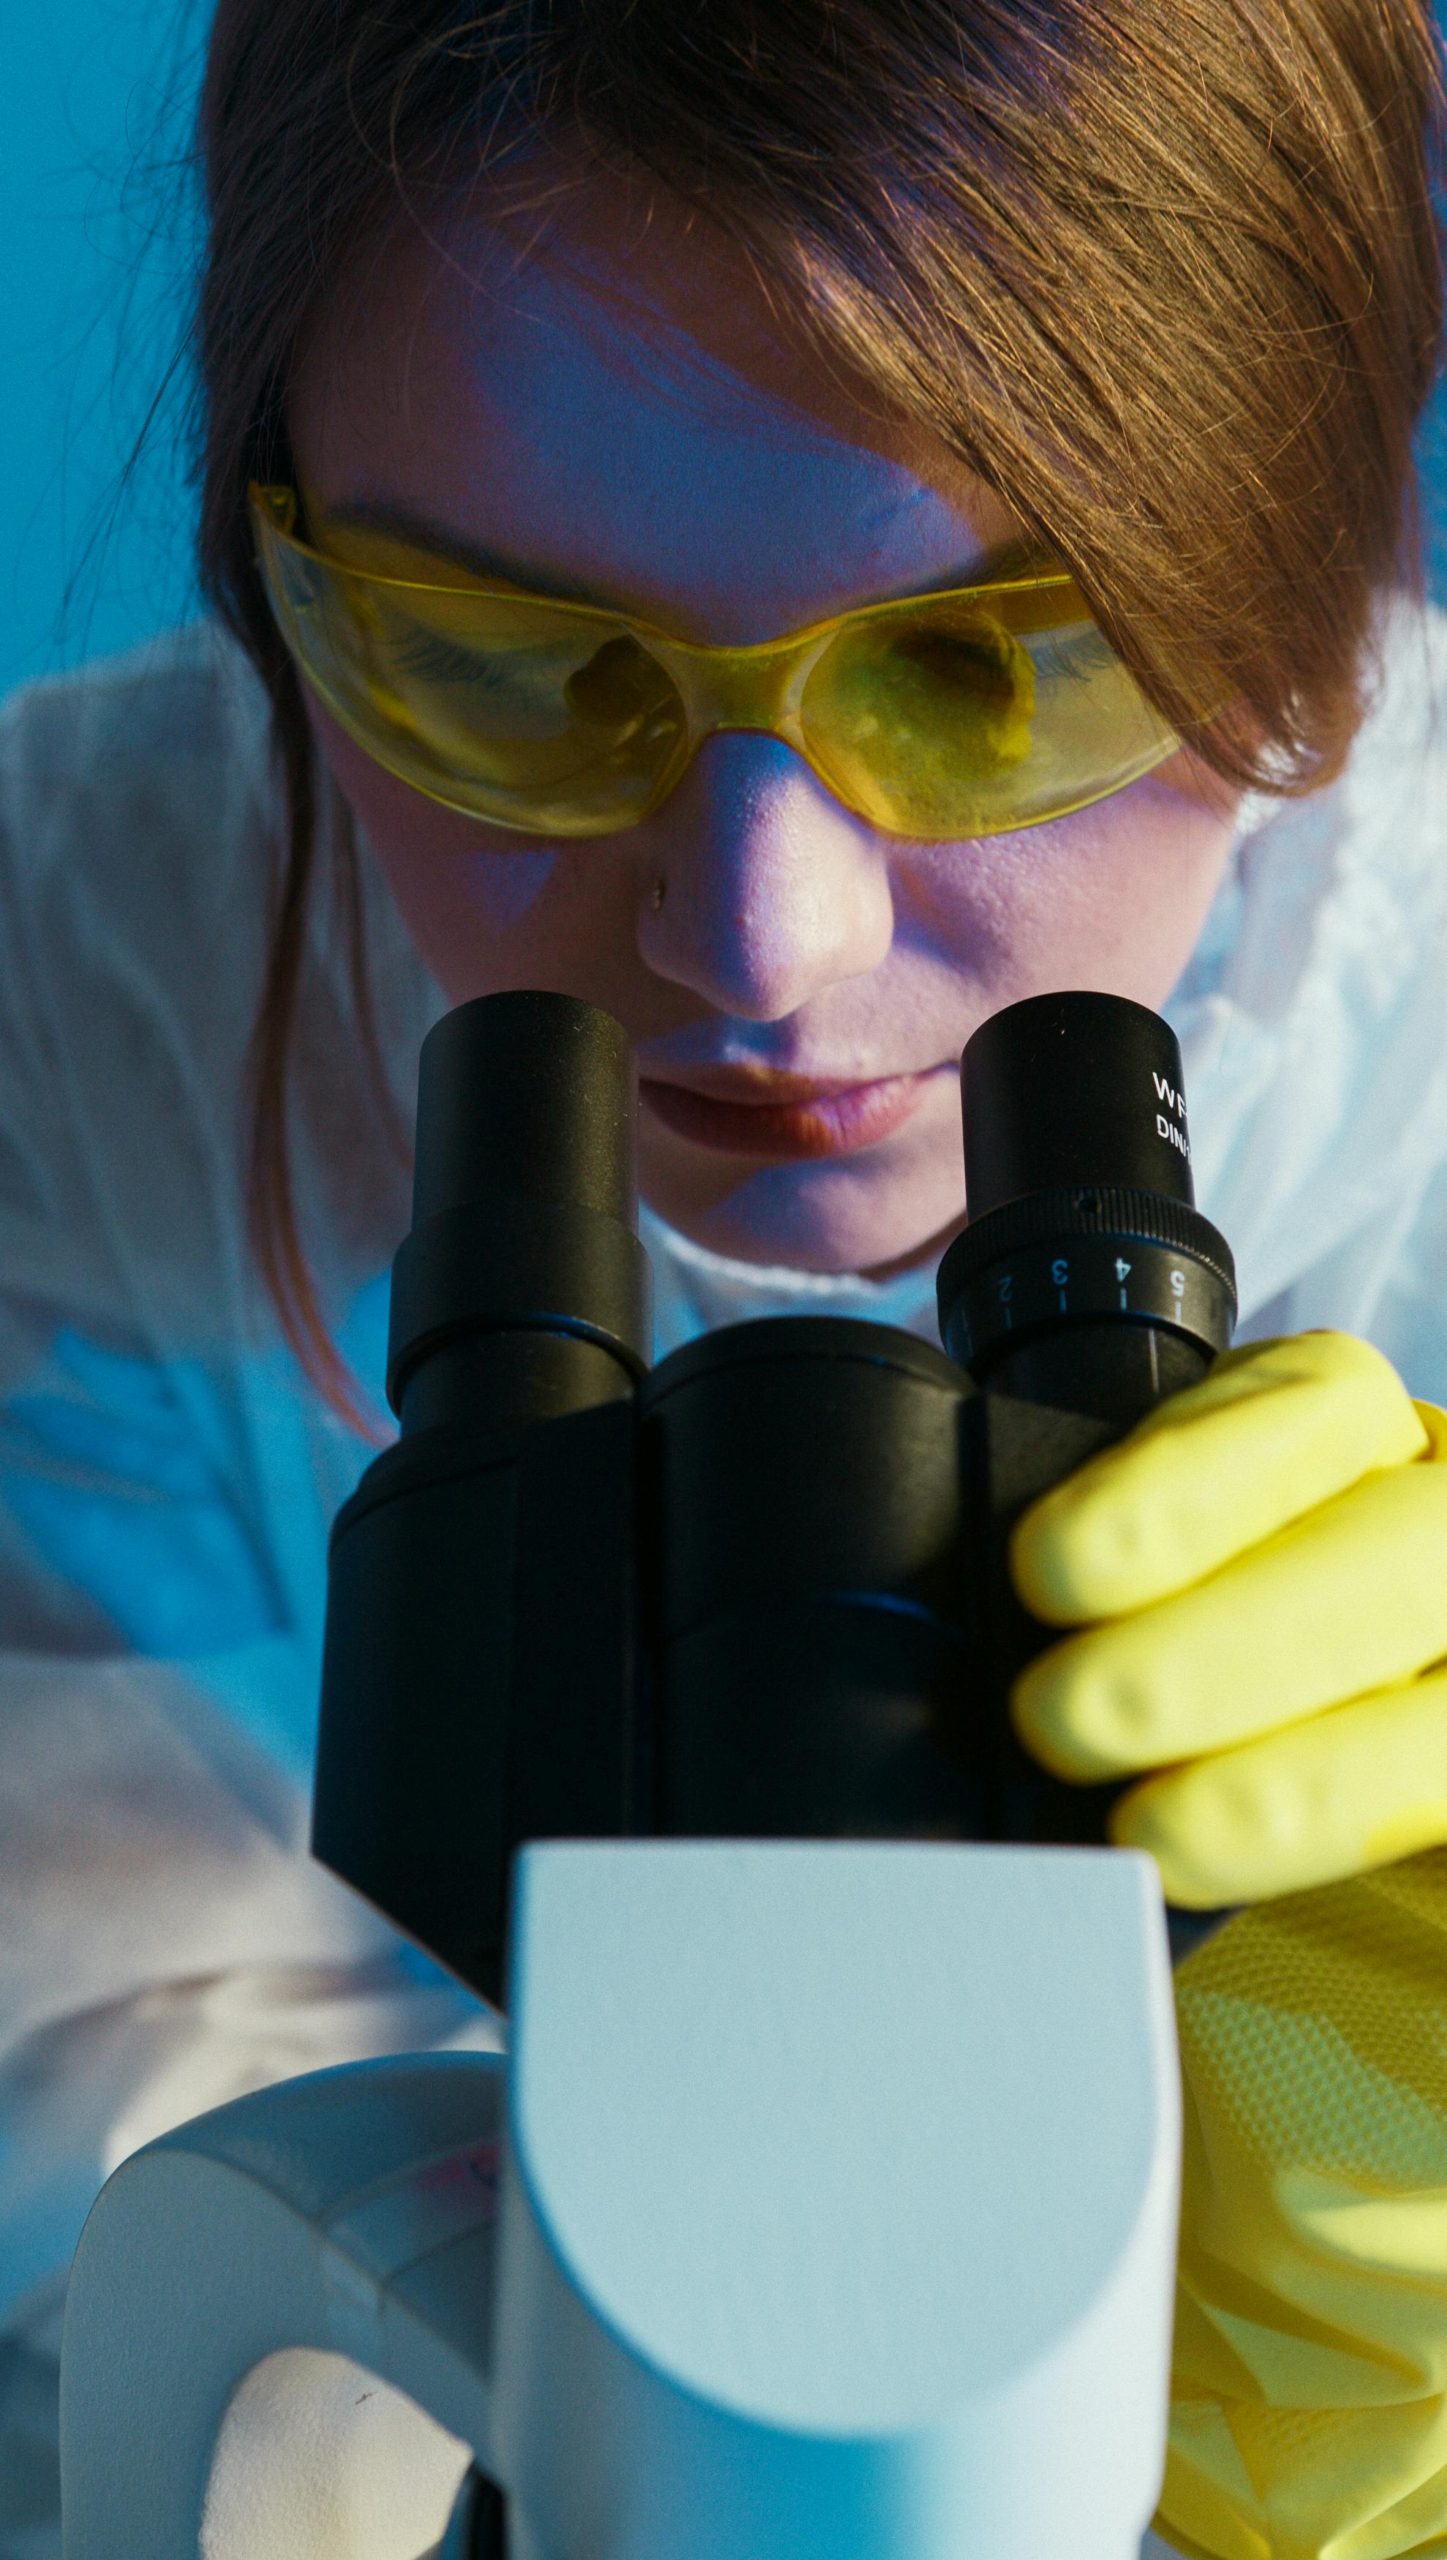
<point x="1073" y="1089"/>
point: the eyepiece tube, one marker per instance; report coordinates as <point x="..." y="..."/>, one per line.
<point x="522" y="1290"/>
<point x="1064" y="1090"/>
<point x="1086" y="1277"/>
<point x="534" y="1095"/>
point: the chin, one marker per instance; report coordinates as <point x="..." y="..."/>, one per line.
<point x="816" y="1218"/>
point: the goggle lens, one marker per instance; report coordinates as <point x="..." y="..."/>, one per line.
<point x="930" y="714"/>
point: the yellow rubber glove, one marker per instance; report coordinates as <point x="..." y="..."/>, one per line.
<point x="1263" y="1549"/>
<point x="1309" y="2379"/>
<point x="1266" y="1558"/>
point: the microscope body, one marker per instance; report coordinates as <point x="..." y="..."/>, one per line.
<point x="760" y="1595"/>
<point x="836" y="2146"/>
<point x="760" y="1590"/>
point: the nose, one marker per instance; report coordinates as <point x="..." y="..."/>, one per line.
<point x="774" y="891"/>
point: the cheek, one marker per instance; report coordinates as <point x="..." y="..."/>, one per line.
<point x="461" y="889"/>
<point x="1112" y="898"/>
<point x="1161" y="849"/>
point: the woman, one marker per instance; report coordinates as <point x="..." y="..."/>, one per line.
<point x="577" y="325"/>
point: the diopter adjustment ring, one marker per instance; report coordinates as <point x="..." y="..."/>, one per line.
<point x="1092" y="1253"/>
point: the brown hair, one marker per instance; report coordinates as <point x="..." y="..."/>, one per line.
<point x="1168" y="279"/>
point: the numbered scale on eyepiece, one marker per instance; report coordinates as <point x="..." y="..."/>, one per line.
<point x="1086" y="1276"/>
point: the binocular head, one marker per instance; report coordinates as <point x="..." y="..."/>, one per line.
<point x="759" y="1590"/>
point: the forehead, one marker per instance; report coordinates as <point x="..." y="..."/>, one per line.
<point x="595" y="378"/>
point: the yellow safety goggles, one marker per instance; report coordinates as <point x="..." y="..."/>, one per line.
<point x="951" y="715"/>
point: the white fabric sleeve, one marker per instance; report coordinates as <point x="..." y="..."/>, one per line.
<point x="166" y="1941"/>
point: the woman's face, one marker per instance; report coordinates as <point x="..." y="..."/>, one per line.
<point x="597" y="397"/>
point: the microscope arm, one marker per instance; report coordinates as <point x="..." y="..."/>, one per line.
<point x="350" y="2212"/>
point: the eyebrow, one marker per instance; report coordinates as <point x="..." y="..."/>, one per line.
<point x="1020" y="557"/>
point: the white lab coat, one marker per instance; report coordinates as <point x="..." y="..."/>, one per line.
<point x="167" y="1477"/>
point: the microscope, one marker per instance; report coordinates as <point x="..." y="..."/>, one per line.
<point x="823" y="2206"/>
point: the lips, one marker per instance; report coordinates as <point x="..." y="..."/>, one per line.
<point x="802" y="1117"/>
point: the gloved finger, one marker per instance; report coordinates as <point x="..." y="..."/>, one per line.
<point x="1351" y="1598"/>
<point x="1346" y="1791"/>
<point x="1271" y="1431"/>
<point x="1434" y="1423"/>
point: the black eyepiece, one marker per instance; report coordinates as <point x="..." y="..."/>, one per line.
<point x="1070" y="1089"/>
<point x="1086" y="1276"/>
<point x="530" y="1094"/>
<point x="522" y="1289"/>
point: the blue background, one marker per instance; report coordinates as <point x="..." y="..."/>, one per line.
<point x="95" y="98"/>
<point x="95" y="240"/>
